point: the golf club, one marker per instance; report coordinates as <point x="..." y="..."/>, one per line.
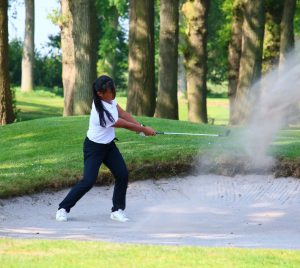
<point x="195" y="134"/>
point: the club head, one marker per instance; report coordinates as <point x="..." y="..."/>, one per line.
<point x="226" y="134"/>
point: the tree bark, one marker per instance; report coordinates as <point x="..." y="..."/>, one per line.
<point x="251" y="57"/>
<point x="167" y="103"/>
<point x="195" y="12"/>
<point x="78" y="50"/>
<point x="272" y="35"/>
<point x="234" y="57"/>
<point x="68" y="57"/>
<point x="85" y="72"/>
<point x="27" y="82"/>
<point x="141" y="80"/>
<point x="287" y="39"/>
<point x="6" y="108"/>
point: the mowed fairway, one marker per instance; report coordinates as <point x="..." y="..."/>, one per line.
<point x="45" y="104"/>
<point x="45" y="253"/>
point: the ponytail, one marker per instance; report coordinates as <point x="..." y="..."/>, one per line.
<point x="102" y="84"/>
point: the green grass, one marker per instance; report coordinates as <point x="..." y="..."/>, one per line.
<point x="38" y="104"/>
<point x="43" y="253"/>
<point x="41" y="104"/>
<point x="47" y="153"/>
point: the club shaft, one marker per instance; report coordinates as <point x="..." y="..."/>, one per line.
<point x="188" y="134"/>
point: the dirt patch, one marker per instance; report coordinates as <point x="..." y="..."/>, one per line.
<point x="232" y="166"/>
<point x="287" y="168"/>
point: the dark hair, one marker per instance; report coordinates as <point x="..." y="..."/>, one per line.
<point x="102" y="84"/>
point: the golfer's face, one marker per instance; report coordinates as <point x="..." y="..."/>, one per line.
<point x="107" y="95"/>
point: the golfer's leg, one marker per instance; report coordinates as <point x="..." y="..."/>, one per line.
<point x="115" y="162"/>
<point x="92" y="161"/>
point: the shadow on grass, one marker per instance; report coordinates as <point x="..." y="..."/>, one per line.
<point x="29" y="111"/>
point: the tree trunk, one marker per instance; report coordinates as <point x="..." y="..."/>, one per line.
<point x="287" y="40"/>
<point x="167" y="103"/>
<point x="27" y="83"/>
<point x="85" y="72"/>
<point x="6" y="108"/>
<point x="195" y="12"/>
<point x="251" y="57"/>
<point x="78" y="50"/>
<point x="234" y="57"/>
<point x="272" y="35"/>
<point x="68" y="57"/>
<point x="181" y="83"/>
<point x="141" y="80"/>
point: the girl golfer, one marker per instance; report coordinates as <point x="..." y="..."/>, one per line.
<point x="99" y="147"/>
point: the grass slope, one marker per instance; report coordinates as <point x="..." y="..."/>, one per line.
<point x="47" y="153"/>
<point x="43" y="253"/>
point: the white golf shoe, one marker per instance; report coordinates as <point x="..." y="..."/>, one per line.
<point x="119" y="215"/>
<point x="61" y="215"/>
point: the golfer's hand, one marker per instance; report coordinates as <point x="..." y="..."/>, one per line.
<point x="148" y="131"/>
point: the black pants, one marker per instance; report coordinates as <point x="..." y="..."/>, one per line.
<point x="94" y="155"/>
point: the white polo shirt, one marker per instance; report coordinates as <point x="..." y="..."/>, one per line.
<point x="96" y="132"/>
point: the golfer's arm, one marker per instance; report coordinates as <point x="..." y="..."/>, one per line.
<point x="126" y="116"/>
<point x="122" y="123"/>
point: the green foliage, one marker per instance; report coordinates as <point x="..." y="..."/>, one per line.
<point x="16" y="111"/>
<point x="219" y="25"/>
<point x="156" y="40"/>
<point x="219" y="22"/>
<point x="121" y="5"/>
<point x="47" y="70"/>
<point x="113" y="46"/>
<point x="15" y="60"/>
<point x="54" y="16"/>
<point x="297" y="19"/>
<point x="54" y="44"/>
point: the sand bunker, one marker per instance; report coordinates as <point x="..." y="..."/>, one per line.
<point x="244" y="211"/>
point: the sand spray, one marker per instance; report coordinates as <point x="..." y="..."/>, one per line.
<point x="274" y="104"/>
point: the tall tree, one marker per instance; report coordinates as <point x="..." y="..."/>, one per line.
<point x="167" y="103"/>
<point x="287" y="39"/>
<point x="113" y="45"/>
<point x="251" y="57"/>
<point x="234" y="56"/>
<point x="6" y="108"/>
<point x="28" y="49"/>
<point x="85" y="54"/>
<point x="68" y="57"/>
<point x="78" y="54"/>
<point x="109" y="40"/>
<point x="141" y="80"/>
<point x="272" y="34"/>
<point x="195" y="12"/>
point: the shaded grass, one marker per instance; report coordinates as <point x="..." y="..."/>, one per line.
<point x="40" y="104"/>
<point x="47" y="153"/>
<point x="45" y="253"/>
